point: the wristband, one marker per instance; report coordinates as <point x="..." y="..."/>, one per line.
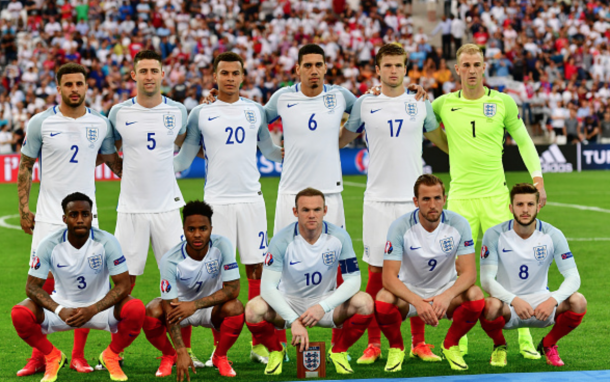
<point x="58" y="309"/>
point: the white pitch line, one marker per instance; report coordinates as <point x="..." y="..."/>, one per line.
<point x="363" y="185"/>
<point x="578" y="207"/>
<point x="4" y="224"/>
<point x="588" y="238"/>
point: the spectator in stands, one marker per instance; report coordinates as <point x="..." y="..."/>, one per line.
<point x="573" y="128"/>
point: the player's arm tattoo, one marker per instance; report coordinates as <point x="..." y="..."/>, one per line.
<point x="34" y="291"/>
<point x="115" y="163"/>
<point x="229" y="291"/>
<point x="174" y="330"/>
<point x="117" y="294"/>
<point x="24" y="184"/>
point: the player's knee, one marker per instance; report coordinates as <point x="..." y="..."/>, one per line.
<point x="578" y="303"/>
<point x="154" y="309"/>
<point x="474" y="293"/>
<point x="232" y="308"/>
<point x="385" y="295"/>
<point x="255" y="310"/>
<point x="363" y="302"/>
<point x="493" y="308"/>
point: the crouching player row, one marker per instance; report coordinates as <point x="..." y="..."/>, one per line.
<point x="81" y="259"/>
<point x="515" y="260"/>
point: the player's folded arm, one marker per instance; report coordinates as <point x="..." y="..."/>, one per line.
<point x="185" y="157"/>
<point x="352" y="281"/>
<point x="270" y="150"/>
<point x="272" y="296"/>
<point x="34" y="291"/>
<point x="228" y="292"/>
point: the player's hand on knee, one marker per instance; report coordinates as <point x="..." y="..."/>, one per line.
<point x="421" y="94"/>
<point x="312" y="316"/>
<point x="181" y="311"/>
<point x="522" y="308"/>
<point x="426" y="313"/>
<point x="183" y="362"/>
<point x="81" y="316"/>
<point x="544" y="310"/>
<point x="66" y="313"/>
<point x="299" y="335"/>
<point x="440" y="304"/>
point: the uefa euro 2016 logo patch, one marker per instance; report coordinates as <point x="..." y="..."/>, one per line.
<point x="329" y="257"/>
<point x="268" y="259"/>
<point x="95" y="263"/>
<point x="540" y="253"/>
<point x="489" y="109"/>
<point x="388" y="247"/>
<point x="250" y="116"/>
<point x="330" y="101"/>
<point x="411" y="108"/>
<point x="165" y="286"/>
<point x="92" y="134"/>
<point x="212" y="266"/>
<point x="484" y="252"/>
<point x="35" y="263"/>
<point x="169" y="121"/>
<point x="446" y="244"/>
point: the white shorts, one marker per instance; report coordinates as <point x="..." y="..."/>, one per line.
<point x="135" y="231"/>
<point x="534" y="300"/>
<point x="284" y="215"/>
<point x="300" y="305"/>
<point x="102" y="321"/>
<point x="245" y="225"/>
<point x="201" y="317"/>
<point x="377" y="217"/>
<point x="426" y="293"/>
<point x="44" y="229"/>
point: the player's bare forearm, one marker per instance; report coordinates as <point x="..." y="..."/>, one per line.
<point x="345" y="137"/>
<point x="24" y="183"/>
<point x="114" y="163"/>
<point x="468" y="275"/>
<point x="34" y="291"/>
<point x="118" y="293"/>
<point x="229" y="291"/>
<point x="174" y="329"/>
<point x="392" y="283"/>
<point x="439" y="138"/>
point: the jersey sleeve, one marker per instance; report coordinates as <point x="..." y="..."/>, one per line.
<point x="33" y="138"/>
<point x="184" y="117"/>
<point x="193" y="134"/>
<point x="108" y="142"/>
<point x="437" y="106"/>
<point x="168" y="287"/>
<point x="40" y="263"/>
<point x="466" y="245"/>
<point x="263" y="129"/>
<point x="355" y="123"/>
<point x="350" y="99"/>
<point x="115" y="260"/>
<point x="274" y="259"/>
<point x="347" y="258"/>
<point x="229" y="270"/>
<point x="562" y="255"/>
<point x="489" y="249"/>
<point x="112" y="119"/>
<point x="271" y="106"/>
<point x="394" y="244"/>
<point x="430" y="123"/>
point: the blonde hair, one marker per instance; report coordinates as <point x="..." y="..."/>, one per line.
<point x="469" y="49"/>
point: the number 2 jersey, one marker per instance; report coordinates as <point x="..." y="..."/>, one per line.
<point x="187" y="279"/>
<point x="148" y="184"/>
<point x="523" y="264"/>
<point x="428" y="258"/>
<point x="310" y="271"/>
<point x="67" y="150"/>
<point x="81" y="275"/>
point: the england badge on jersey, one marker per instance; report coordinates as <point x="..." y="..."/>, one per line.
<point x="169" y="121"/>
<point x="95" y="263"/>
<point x="250" y="116"/>
<point x="212" y="266"/>
<point x="489" y="109"/>
<point x="330" y="101"/>
<point x="446" y="244"/>
<point x="92" y="134"/>
<point x="540" y="253"/>
<point x="411" y="108"/>
<point x="329" y="258"/>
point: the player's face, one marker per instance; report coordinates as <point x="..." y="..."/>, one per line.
<point x="430" y="202"/>
<point x="470" y="68"/>
<point x="525" y="208"/>
<point x="311" y="70"/>
<point x="310" y="212"/>
<point x="392" y="70"/>
<point x="148" y="75"/>
<point x="229" y="77"/>
<point x="72" y="88"/>
<point x="197" y="231"/>
<point x="78" y="218"/>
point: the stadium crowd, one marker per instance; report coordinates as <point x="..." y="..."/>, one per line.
<point x="552" y="57"/>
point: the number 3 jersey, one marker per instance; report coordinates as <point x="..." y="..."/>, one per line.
<point x="81" y="275"/>
<point x="310" y="271"/>
<point x="523" y="264"/>
<point x="67" y="150"/>
<point x="428" y="258"/>
<point x="187" y="279"/>
<point x="148" y="184"/>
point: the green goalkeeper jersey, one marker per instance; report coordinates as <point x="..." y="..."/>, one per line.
<point x="475" y="131"/>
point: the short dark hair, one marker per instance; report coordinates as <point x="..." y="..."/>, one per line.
<point x="391" y="49"/>
<point x="70" y="68"/>
<point x="75" y="197"/>
<point x="428" y="180"/>
<point x="147" y="54"/>
<point x="311" y="49"/>
<point x="308" y="192"/>
<point x="228" y="57"/>
<point x="524" y="188"/>
<point x="197" y="207"/>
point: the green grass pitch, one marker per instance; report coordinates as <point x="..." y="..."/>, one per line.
<point x="584" y="349"/>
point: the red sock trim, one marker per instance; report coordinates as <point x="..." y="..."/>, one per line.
<point x="186" y="332"/>
<point x="389" y="320"/>
<point x="353" y="329"/>
<point x="565" y="323"/>
<point x="418" y="331"/>
<point x="229" y="332"/>
<point x="156" y="334"/>
<point x="80" y="340"/>
<point x="494" y="329"/>
<point x="265" y="333"/>
<point x="465" y="318"/>
<point x="373" y="286"/>
<point x="29" y="329"/>
<point x="254" y="290"/>
<point x="133" y="314"/>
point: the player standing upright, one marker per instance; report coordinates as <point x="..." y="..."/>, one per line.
<point x="515" y="260"/>
<point x="229" y="130"/>
<point x="68" y="138"/>
<point x="476" y="120"/>
<point x="395" y="124"/>
<point x="82" y="259"/>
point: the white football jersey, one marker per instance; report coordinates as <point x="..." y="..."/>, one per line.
<point x="148" y="184"/>
<point x="229" y="133"/>
<point x="187" y="279"/>
<point x="67" y="150"/>
<point x="311" y="137"/>
<point x="394" y="134"/>
<point x="81" y="275"/>
<point x="310" y="271"/>
<point x="428" y="258"/>
<point x="523" y="264"/>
